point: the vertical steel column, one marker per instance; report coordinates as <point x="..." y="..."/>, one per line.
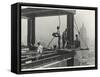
<point x="70" y="28"/>
<point x="70" y="35"/>
<point x="31" y="33"/>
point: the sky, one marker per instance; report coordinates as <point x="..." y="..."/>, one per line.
<point x="45" y="26"/>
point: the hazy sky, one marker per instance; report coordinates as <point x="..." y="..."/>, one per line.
<point x="45" y="26"/>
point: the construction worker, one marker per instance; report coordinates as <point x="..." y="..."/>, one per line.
<point x="39" y="50"/>
<point x="58" y="33"/>
<point x="64" y="38"/>
<point x="77" y="42"/>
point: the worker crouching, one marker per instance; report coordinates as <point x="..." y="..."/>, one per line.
<point x="39" y="50"/>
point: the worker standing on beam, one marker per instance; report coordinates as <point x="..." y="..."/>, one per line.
<point x="58" y="33"/>
<point x="64" y="39"/>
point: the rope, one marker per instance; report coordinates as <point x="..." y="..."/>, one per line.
<point x="76" y="26"/>
<point x="59" y="20"/>
<point x="50" y="42"/>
